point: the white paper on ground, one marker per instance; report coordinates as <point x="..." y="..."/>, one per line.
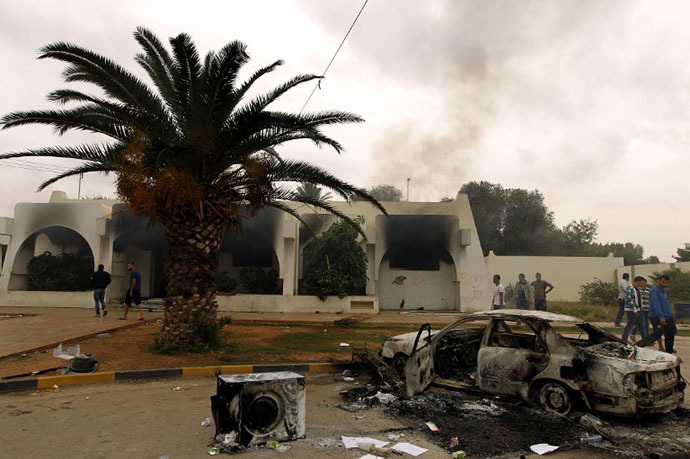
<point x="543" y="448"/>
<point x="352" y="442"/>
<point x="370" y="456"/>
<point x="410" y="449"/>
<point x="344" y="345"/>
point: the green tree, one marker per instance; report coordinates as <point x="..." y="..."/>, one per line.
<point x="512" y="221"/>
<point x="311" y="191"/>
<point x="386" y="193"/>
<point x="193" y="153"/>
<point x="335" y="264"/>
<point x="683" y="254"/>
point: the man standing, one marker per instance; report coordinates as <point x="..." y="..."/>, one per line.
<point x="134" y="291"/>
<point x="523" y="292"/>
<point x="100" y="281"/>
<point x="644" y="298"/>
<point x="633" y="309"/>
<point x="499" y="293"/>
<point x="622" y="294"/>
<point x="660" y="315"/>
<point x="541" y="288"/>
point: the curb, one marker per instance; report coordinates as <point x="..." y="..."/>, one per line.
<point x="47" y="382"/>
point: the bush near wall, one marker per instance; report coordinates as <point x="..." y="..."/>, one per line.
<point x="66" y="272"/>
<point x="335" y="264"/>
<point x="259" y="281"/>
<point x="599" y="292"/>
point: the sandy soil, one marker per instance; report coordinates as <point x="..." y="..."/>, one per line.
<point x="129" y="349"/>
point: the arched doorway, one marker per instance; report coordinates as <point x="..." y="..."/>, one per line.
<point x="247" y="261"/>
<point x="62" y="252"/>
<point x="417" y="270"/>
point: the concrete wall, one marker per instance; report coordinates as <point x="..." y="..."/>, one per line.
<point x="431" y="290"/>
<point x="297" y="303"/>
<point x="566" y="274"/>
<point x="47" y="299"/>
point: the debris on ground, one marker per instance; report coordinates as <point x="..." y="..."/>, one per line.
<point x="206" y="422"/>
<point x="409" y="448"/>
<point x="354" y="442"/>
<point x="71" y="353"/>
<point x="103" y="335"/>
<point x="433" y="427"/>
<point x="213" y="451"/>
<point x="543" y="448"/>
<point x="176" y="388"/>
<point x="344" y="345"/>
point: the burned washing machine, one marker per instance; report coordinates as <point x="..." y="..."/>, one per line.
<point x="250" y="409"/>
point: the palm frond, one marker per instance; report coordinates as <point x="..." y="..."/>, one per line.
<point x="83" y="169"/>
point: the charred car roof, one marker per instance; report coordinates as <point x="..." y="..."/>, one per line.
<point x="521" y="313"/>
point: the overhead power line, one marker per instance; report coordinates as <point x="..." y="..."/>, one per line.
<point x="323" y="74"/>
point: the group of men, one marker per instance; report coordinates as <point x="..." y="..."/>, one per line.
<point x="644" y="307"/>
<point x="524" y="292"/>
<point x="100" y="280"/>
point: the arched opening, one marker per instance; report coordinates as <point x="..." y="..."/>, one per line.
<point x="247" y="262"/>
<point x="143" y="244"/>
<point x="52" y="258"/>
<point x="417" y="270"/>
<point x="315" y="225"/>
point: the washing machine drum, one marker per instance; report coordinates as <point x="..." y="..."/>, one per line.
<point x="263" y="413"/>
<point x="260" y="407"/>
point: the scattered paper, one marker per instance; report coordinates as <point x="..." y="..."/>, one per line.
<point x="71" y="353"/>
<point x="353" y="442"/>
<point x="433" y="427"/>
<point x="370" y="456"/>
<point x="344" y="345"/>
<point x="543" y="448"/>
<point x="410" y="449"/>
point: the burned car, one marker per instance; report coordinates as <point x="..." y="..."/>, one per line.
<point x="539" y="356"/>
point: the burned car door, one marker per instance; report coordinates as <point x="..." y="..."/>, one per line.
<point x="511" y="355"/>
<point x="419" y="369"/>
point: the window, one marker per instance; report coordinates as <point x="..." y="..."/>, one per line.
<point x="514" y="334"/>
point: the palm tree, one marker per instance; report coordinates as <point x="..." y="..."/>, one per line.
<point x="194" y="154"/>
<point x="312" y="191"/>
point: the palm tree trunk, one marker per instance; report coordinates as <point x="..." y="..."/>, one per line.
<point x="191" y="267"/>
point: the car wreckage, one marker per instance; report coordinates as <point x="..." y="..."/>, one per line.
<point x="553" y="359"/>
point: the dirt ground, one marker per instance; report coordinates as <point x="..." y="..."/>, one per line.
<point x="149" y="420"/>
<point x="129" y="349"/>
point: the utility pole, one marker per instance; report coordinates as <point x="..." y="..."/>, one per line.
<point x="408" y="189"/>
<point x="81" y="177"/>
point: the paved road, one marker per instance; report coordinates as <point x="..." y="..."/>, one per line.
<point x="148" y="420"/>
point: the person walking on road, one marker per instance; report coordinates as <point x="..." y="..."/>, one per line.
<point x="660" y="315"/>
<point x="622" y="294"/>
<point x="100" y="281"/>
<point x="523" y="293"/>
<point x="134" y="291"/>
<point x="633" y="309"/>
<point x="540" y="288"/>
<point x="499" y="293"/>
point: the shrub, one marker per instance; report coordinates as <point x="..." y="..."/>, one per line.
<point x="225" y="283"/>
<point x="599" y="292"/>
<point x="335" y="264"/>
<point x="67" y="272"/>
<point x="259" y="280"/>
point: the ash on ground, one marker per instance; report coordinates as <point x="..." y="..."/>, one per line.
<point x="487" y="426"/>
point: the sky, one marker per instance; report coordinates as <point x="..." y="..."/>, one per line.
<point x="587" y="101"/>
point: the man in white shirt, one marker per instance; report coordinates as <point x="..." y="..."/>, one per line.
<point x="499" y="293"/>
<point x="622" y="294"/>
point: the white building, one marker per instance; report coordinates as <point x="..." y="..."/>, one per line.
<point x="422" y="255"/>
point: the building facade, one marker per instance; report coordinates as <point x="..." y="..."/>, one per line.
<point x="422" y="255"/>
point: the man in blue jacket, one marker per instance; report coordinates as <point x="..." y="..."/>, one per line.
<point x="660" y="315"/>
